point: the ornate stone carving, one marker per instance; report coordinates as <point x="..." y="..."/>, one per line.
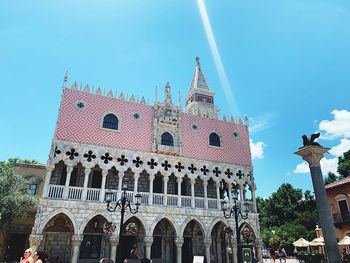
<point x="35" y="240"/>
<point x="312" y="154"/>
<point x="77" y="239"/>
<point x="114" y="240"/>
<point x="207" y="241"/>
<point x="148" y="241"/>
<point x="179" y="241"/>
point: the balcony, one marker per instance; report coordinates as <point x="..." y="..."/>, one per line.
<point x="75" y="193"/>
<point x="341" y="219"/>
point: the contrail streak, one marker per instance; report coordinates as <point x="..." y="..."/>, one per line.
<point x="217" y="59"/>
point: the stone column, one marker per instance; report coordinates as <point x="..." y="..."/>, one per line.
<point x="136" y="181"/>
<point x="258" y="243"/>
<point x="150" y="197"/>
<point x="120" y="183"/>
<point x="230" y="194"/>
<point x="218" y="249"/>
<point x="313" y="154"/>
<point x="165" y="180"/>
<point x="193" y="181"/>
<point x="35" y="242"/>
<point x="148" y="243"/>
<point x="207" y="244"/>
<point x="253" y="189"/>
<point x="179" y="181"/>
<point x="168" y="249"/>
<point x="241" y="195"/>
<point x="218" y="195"/>
<point x="179" y="241"/>
<point x="76" y="241"/>
<point x="49" y="169"/>
<point x="103" y="185"/>
<point x="114" y="243"/>
<point x="66" y="185"/>
<point x="205" y="189"/>
<point x="234" y="251"/>
<point x="86" y="180"/>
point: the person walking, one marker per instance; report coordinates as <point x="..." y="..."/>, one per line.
<point x="39" y="257"/>
<point x="27" y="256"/>
<point x="272" y="255"/>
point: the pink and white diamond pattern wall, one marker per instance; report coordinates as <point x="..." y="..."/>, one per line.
<point x="195" y="143"/>
<point x="84" y="125"/>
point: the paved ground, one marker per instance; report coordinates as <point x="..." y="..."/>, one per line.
<point x="278" y="261"/>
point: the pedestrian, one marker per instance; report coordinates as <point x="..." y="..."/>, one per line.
<point x="134" y="254"/>
<point x="280" y="254"/>
<point x="27" y="256"/>
<point x="284" y="255"/>
<point x="272" y="255"/>
<point x="212" y="258"/>
<point x="39" y="257"/>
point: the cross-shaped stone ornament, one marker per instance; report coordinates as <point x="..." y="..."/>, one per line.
<point x="72" y="153"/>
<point x="192" y="168"/>
<point x="89" y="155"/>
<point x="179" y="166"/>
<point x="137" y="162"/>
<point x="122" y="160"/>
<point x="106" y="158"/>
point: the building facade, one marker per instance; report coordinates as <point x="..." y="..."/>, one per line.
<point x="183" y="163"/>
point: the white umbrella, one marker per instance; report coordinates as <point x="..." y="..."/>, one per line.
<point x="319" y="241"/>
<point x="345" y="241"/>
<point x="301" y="242"/>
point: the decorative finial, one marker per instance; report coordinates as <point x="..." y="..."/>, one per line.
<point x="65" y="80"/>
<point x="310" y="141"/>
<point x="197" y="59"/>
<point x="155" y="96"/>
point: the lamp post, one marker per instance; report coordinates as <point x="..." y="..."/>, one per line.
<point x="236" y="211"/>
<point x="123" y="203"/>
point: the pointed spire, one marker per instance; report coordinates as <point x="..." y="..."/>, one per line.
<point x="167" y="94"/>
<point x="246" y="119"/>
<point x="65" y="80"/>
<point x="110" y="93"/>
<point x="155" y="96"/>
<point x="132" y="98"/>
<point x="98" y="91"/>
<point x="223" y="117"/>
<point x="239" y="120"/>
<point x="199" y="81"/>
<point x="87" y="88"/>
<point x="232" y="120"/>
<point x="74" y="86"/>
<point x="143" y="100"/>
<point x="121" y="96"/>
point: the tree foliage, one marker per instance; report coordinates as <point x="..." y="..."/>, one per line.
<point x="344" y="164"/>
<point x="15" y="197"/>
<point x="290" y="214"/>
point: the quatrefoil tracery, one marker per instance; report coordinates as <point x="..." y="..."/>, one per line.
<point x="204" y="170"/>
<point x="179" y="166"/>
<point x="152" y="163"/>
<point x="89" y="156"/>
<point x="192" y="168"/>
<point x="166" y="165"/>
<point x="137" y="162"/>
<point x="228" y="173"/>
<point x="72" y="153"/>
<point x="122" y="160"/>
<point x="56" y="152"/>
<point x="216" y="171"/>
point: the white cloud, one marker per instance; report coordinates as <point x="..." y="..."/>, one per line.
<point x="257" y="149"/>
<point x="327" y="165"/>
<point x="339" y="127"/>
<point x="338" y="150"/>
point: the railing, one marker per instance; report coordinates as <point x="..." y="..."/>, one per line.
<point x="75" y="192"/>
<point x="158" y="199"/>
<point x="186" y="201"/>
<point x="93" y="194"/>
<point x="339" y="218"/>
<point x="199" y="202"/>
<point x="56" y="191"/>
<point x="212" y="203"/>
<point x="172" y="200"/>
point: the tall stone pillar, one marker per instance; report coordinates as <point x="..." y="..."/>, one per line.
<point x="35" y="242"/>
<point x="76" y="241"/>
<point x="205" y="188"/>
<point x="168" y="244"/>
<point x="148" y="243"/>
<point x="234" y="250"/>
<point x="86" y="180"/>
<point x="258" y="243"/>
<point x="66" y="185"/>
<point x="241" y="195"/>
<point x="103" y="185"/>
<point x="313" y="154"/>
<point x="120" y="184"/>
<point x="165" y="181"/>
<point x="49" y="169"/>
<point x="253" y="189"/>
<point x="150" y="197"/>
<point x="136" y="181"/>
<point x="114" y="243"/>
<point x="207" y="245"/>
<point x="218" y="249"/>
<point x="230" y="194"/>
<point x="179" y="241"/>
<point x="179" y="181"/>
<point x="193" y="181"/>
<point x="218" y="195"/>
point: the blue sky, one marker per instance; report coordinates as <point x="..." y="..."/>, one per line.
<point x="284" y="63"/>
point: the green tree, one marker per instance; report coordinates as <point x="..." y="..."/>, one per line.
<point x="344" y="164"/>
<point x="15" y="197"/>
<point x="331" y="178"/>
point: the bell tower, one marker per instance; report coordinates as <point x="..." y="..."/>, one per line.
<point x="200" y="99"/>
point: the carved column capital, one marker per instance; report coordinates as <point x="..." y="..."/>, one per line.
<point x="87" y="171"/>
<point x="114" y="240"/>
<point x="69" y="169"/>
<point x="207" y="241"/>
<point x="258" y="242"/>
<point x="179" y="241"/>
<point x="35" y="240"/>
<point x="104" y="172"/>
<point x="165" y="179"/>
<point x="148" y="241"/>
<point x="151" y="178"/>
<point x="179" y="180"/>
<point x="193" y="181"/>
<point x="312" y="154"/>
<point x="77" y="239"/>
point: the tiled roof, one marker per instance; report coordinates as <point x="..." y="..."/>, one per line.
<point x="338" y="183"/>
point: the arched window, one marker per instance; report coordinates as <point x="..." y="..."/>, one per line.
<point x="110" y="121"/>
<point x="167" y="139"/>
<point x="214" y="139"/>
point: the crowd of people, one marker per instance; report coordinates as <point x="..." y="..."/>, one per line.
<point x="272" y="254"/>
<point x="39" y="257"/>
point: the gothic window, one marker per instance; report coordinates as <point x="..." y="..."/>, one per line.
<point x="167" y="139"/>
<point x="214" y="140"/>
<point x="110" y="121"/>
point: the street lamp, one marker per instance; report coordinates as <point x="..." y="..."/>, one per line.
<point x="236" y="211"/>
<point x="123" y="203"/>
